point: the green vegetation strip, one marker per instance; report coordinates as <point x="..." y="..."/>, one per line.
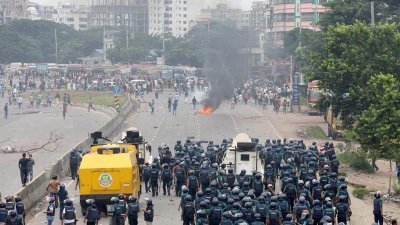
<point x="316" y="132"/>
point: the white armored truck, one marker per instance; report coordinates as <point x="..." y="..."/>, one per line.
<point x="242" y="155"/>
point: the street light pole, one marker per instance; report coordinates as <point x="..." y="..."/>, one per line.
<point x="372" y="14"/>
<point x="56" y="43"/>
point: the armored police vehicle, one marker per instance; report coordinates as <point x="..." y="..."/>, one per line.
<point x="242" y="155"/>
<point x="112" y="169"/>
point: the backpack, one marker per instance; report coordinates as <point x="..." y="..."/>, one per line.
<point x="146" y="171"/>
<point x="192" y="183"/>
<point x="290" y="190"/>
<point x="189" y="211"/>
<point x="154" y="175"/>
<point x="317" y="192"/>
<point x="179" y="174"/>
<point x="284" y="206"/>
<point x="341" y="209"/>
<point x="317" y="212"/>
<point x="262" y="209"/>
<point x="377" y="206"/>
<point x="117" y="209"/>
<point x="329" y="212"/>
<point x="216" y="214"/>
<point x="230" y="179"/>
<point x="258" y="186"/>
<point x="133" y="209"/>
<point x="273" y="216"/>
<point x="204" y="176"/>
<point x="166" y="174"/>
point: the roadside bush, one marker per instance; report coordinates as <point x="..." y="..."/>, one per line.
<point x="356" y="160"/>
<point x="360" y="192"/>
<point x="396" y="188"/>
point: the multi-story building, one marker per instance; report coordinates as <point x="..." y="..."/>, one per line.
<point x="75" y="16"/>
<point x="222" y="13"/>
<point x="45" y="12"/>
<point x="13" y="9"/>
<point x="286" y="15"/>
<point x="123" y="14"/>
<point x="176" y="17"/>
<point x="258" y="19"/>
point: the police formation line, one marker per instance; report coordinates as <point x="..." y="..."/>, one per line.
<point x="298" y="185"/>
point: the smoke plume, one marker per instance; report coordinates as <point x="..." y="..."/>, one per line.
<point x="226" y="66"/>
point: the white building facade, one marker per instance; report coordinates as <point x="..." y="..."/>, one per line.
<point x="75" y="16"/>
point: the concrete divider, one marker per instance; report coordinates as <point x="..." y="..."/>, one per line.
<point x="35" y="191"/>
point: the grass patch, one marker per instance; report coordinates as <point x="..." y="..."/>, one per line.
<point x="105" y="98"/>
<point x="316" y="132"/>
<point x="356" y="160"/>
<point x="396" y="187"/>
<point x="360" y="192"/>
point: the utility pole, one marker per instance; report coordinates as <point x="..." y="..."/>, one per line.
<point x="56" y="43"/>
<point x="372" y="14"/>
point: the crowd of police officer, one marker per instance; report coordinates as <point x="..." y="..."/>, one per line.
<point x="298" y="185"/>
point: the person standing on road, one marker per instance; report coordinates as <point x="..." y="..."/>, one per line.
<point x="3" y="213"/>
<point x="69" y="213"/>
<point x="194" y="102"/>
<point x="151" y="104"/>
<point x="90" y="104"/>
<point x="174" y="107"/>
<point x="23" y="169"/>
<point x="13" y="219"/>
<point x="166" y="176"/>
<point x="149" y="212"/>
<point x="19" y="101"/>
<point x="20" y="208"/>
<point x="52" y="188"/>
<point x="30" y="164"/>
<point x="6" y="110"/>
<point x="51" y="210"/>
<point x="378" y="208"/>
<point x="62" y="195"/>
<point x="146" y="176"/>
<point x="57" y="98"/>
<point x="69" y="100"/>
<point x="133" y="210"/>
<point x="92" y="214"/>
<point x="74" y="159"/>
<point x="154" y="179"/>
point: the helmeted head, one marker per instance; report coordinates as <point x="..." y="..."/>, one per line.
<point x="132" y="199"/>
<point x="188" y="198"/>
<point x="272" y="206"/>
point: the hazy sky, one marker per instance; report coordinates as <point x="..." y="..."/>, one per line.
<point x="243" y="4"/>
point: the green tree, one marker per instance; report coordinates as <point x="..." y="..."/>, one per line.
<point x="352" y="54"/>
<point x="377" y="129"/>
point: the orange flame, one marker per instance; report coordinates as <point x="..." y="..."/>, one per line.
<point x="206" y="110"/>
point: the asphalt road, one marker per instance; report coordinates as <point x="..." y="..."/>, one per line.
<point x="29" y="128"/>
<point x="163" y="127"/>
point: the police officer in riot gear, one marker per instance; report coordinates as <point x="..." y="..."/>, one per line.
<point x="13" y="219"/>
<point x="3" y="212"/>
<point x="133" y="210"/>
<point x="180" y="176"/>
<point x="92" y="213"/>
<point x="74" y="159"/>
<point x="146" y="172"/>
<point x="188" y="210"/>
<point x="69" y="213"/>
<point x="154" y="178"/>
<point x="117" y="218"/>
<point x="166" y="176"/>
<point x="20" y="208"/>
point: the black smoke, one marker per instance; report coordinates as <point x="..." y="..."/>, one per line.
<point x="221" y="47"/>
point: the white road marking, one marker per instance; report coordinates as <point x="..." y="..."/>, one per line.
<point x="233" y="120"/>
<point x="159" y="126"/>
<point x="198" y="127"/>
<point x="269" y="122"/>
<point x="69" y="183"/>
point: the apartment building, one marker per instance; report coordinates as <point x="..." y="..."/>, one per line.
<point x="286" y="15"/>
<point x="124" y="14"/>
<point x="75" y="16"/>
<point x="13" y="9"/>
<point x="175" y="17"/>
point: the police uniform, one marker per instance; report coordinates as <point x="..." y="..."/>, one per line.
<point x="92" y="215"/>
